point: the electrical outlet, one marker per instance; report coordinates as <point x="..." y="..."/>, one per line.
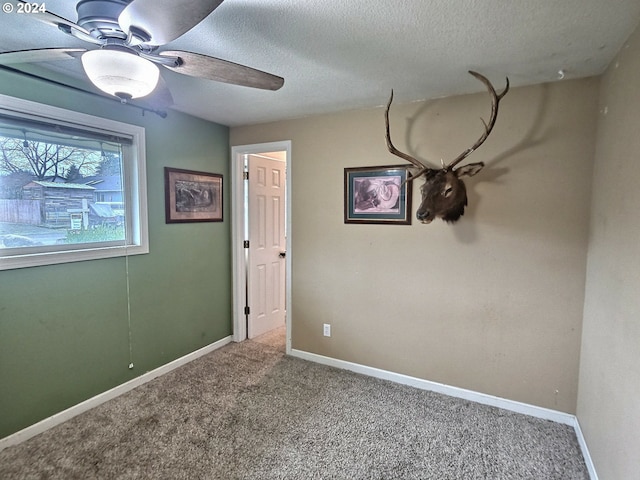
<point x="326" y="330"/>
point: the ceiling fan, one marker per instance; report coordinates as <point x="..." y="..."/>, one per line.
<point x="126" y="36"/>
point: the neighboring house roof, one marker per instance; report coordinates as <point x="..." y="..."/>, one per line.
<point x="77" y="186"/>
<point x="15" y="179"/>
<point x="111" y="183"/>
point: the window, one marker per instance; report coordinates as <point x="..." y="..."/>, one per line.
<point x="72" y="186"/>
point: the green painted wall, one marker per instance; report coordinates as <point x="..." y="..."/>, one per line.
<point x="64" y="329"/>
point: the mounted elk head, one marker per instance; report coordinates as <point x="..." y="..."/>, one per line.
<point x="444" y="194"/>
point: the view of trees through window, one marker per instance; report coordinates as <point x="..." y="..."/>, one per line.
<point x="59" y="188"/>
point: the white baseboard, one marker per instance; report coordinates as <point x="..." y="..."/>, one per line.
<point x="585" y="451"/>
<point x="482" y="398"/>
<point x="99" y="399"/>
<point x="511" y="405"/>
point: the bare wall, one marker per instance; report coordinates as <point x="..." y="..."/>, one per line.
<point x="608" y="401"/>
<point x="492" y="304"/>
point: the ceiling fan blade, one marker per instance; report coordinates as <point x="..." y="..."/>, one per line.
<point x="203" y="66"/>
<point x="40" y="55"/>
<point x="164" y="20"/>
<point x="67" y="26"/>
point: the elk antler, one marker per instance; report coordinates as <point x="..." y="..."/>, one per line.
<point x="414" y="161"/>
<point x="495" y="101"/>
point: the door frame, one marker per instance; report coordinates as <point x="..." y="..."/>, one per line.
<point x="239" y="270"/>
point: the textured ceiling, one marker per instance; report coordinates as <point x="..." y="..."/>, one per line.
<point x="349" y="54"/>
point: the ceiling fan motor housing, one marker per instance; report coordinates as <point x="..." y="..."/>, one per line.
<point x="100" y="17"/>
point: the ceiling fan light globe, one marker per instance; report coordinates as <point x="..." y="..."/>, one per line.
<point x="120" y="73"/>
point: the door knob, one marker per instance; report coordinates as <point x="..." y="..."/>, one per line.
<point x="282" y="254"/>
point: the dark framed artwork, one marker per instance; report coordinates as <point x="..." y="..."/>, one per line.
<point x="377" y="195"/>
<point x="192" y="196"/>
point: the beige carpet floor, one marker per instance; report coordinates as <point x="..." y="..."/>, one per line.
<point x="247" y="411"/>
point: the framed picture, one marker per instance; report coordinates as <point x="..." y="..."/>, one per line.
<point x="192" y="196"/>
<point x="377" y="195"/>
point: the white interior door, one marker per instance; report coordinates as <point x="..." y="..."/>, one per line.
<point x="267" y="244"/>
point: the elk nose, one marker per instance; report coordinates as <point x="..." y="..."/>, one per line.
<point x="424" y="216"/>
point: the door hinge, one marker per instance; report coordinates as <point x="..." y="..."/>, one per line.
<point x="246" y="244"/>
<point x="247" y="310"/>
<point x="245" y="175"/>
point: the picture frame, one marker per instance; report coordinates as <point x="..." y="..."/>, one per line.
<point x="377" y="195"/>
<point x="192" y="196"/>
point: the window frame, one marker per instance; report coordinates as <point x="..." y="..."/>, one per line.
<point x="134" y="188"/>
